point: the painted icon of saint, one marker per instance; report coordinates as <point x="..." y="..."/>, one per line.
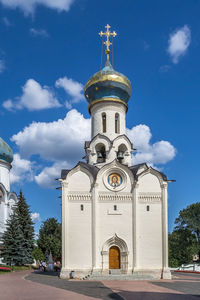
<point x="114" y="180"/>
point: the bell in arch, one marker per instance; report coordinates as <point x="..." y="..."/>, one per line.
<point x="99" y="154"/>
<point x="120" y="155"/>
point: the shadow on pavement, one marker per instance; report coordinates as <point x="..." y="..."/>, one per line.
<point x="56" y="274"/>
<point x="186" y="287"/>
<point x="155" y="296"/>
<point x="95" y="289"/>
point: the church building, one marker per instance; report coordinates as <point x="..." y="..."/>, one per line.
<point x="114" y="214"/>
<point x="7" y="199"/>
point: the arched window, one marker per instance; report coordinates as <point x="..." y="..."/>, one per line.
<point x="116" y="123"/>
<point x="1" y="196"/>
<point x="104" y="122"/>
<point x="92" y="125"/>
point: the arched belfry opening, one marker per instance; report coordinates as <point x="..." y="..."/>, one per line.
<point x="101" y="153"/>
<point x="115" y="255"/>
<point x="121" y="153"/>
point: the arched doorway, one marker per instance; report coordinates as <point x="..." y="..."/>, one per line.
<point x="114" y="258"/>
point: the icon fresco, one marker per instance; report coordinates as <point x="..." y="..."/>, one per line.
<point x="114" y="180"/>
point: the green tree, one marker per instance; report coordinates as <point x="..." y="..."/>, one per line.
<point x="24" y="214"/>
<point x="189" y="218"/>
<point x="182" y="247"/>
<point x="19" y="235"/>
<point x="12" y="252"/>
<point x="50" y="238"/>
<point x="38" y="254"/>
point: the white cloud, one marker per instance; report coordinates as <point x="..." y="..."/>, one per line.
<point x="28" y="6"/>
<point x="73" y="88"/>
<point x="34" y="97"/>
<point x="6" y="21"/>
<point x="47" y="177"/>
<point x="39" y="32"/>
<point x="178" y="43"/>
<point x="22" y="169"/>
<point x="2" y="66"/>
<point x="8" y="104"/>
<point x="154" y="154"/>
<point x="35" y="216"/>
<point x="61" y="139"/>
<point x="63" y="145"/>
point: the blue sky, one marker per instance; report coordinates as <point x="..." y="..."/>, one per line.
<point x="48" y="52"/>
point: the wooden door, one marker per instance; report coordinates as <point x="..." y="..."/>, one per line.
<point x="114" y="258"/>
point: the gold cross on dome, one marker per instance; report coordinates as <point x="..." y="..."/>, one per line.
<point x="107" y="33"/>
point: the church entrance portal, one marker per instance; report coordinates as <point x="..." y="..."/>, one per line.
<point x="114" y="255"/>
<point x="114" y="258"/>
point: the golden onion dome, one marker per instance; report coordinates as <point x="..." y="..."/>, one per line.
<point x="108" y="85"/>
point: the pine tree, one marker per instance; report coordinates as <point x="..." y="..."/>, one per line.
<point x="12" y="239"/>
<point x="18" y="239"/>
<point x="23" y="212"/>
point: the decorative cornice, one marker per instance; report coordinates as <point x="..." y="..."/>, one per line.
<point x="6" y="163"/>
<point x="77" y="197"/>
<point x="106" y="197"/>
<point x="107" y="99"/>
<point x="149" y="197"/>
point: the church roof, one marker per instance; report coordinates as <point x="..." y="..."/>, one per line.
<point x="92" y="169"/>
<point x="134" y="170"/>
<point x="6" y="153"/>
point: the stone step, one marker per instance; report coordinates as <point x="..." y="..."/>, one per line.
<point x="130" y="277"/>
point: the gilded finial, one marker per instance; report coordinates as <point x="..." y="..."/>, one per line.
<point x="108" y="43"/>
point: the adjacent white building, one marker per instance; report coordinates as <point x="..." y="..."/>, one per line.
<point x="114" y="215"/>
<point x="7" y="198"/>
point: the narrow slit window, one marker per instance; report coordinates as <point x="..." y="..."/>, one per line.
<point x="82" y="207"/>
<point x="104" y="122"/>
<point x="117" y="123"/>
<point x="115" y="207"/>
<point x="148" y="208"/>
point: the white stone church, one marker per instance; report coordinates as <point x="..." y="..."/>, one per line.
<point x="7" y="198"/>
<point x="114" y="215"/>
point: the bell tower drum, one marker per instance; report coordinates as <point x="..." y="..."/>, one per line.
<point x="107" y="93"/>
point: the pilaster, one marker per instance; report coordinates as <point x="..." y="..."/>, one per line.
<point x="64" y="230"/>
<point x="166" y="274"/>
<point x="94" y="226"/>
<point x="135" y="226"/>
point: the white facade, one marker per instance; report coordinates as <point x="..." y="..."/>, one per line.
<point x="7" y="199"/>
<point x="114" y="215"/>
<point x="97" y="216"/>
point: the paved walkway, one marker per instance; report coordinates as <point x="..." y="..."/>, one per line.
<point x="43" y="286"/>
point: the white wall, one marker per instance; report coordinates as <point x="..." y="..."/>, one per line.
<point x="112" y="222"/>
<point x="5" y="175"/>
<point x="78" y="223"/>
<point x="149" y="236"/>
<point x="110" y="108"/>
<point x="79" y="236"/>
<point x="149" y="227"/>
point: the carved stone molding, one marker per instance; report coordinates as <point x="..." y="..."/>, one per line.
<point x="79" y="197"/>
<point x="149" y="197"/>
<point x="105" y="197"/>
